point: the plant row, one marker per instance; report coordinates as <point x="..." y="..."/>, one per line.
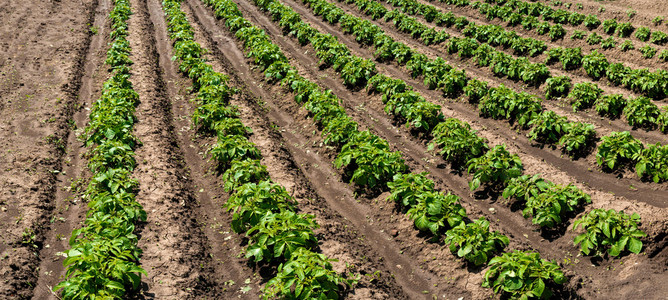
<point x="526" y="14"/>
<point x="263" y="210"/>
<point x="644" y="114"/>
<point x="651" y="84"/>
<point x="525" y="110"/>
<point x="430" y="210"/>
<point x="367" y="160"/>
<point x="102" y="262"/>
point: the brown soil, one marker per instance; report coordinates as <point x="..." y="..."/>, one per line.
<point x="43" y="47"/>
<point x="52" y="70"/>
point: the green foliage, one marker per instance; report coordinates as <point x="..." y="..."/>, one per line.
<point x="652" y="162"/>
<point x="524" y="187"/>
<point x="557" y="86"/>
<point x="307" y="275"/>
<point x="252" y="201"/>
<point x="548" y="127"/>
<point x="556" y="32"/>
<point x="435" y="211"/>
<point x="626" y="46"/>
<point x="609" y="26"/>
<point x="648" y="51"/>
<point x="591" y="22"/>
<point x="659" y="37"/>
<point x="594" y="39"/>
<point x="579" y="136"/>
<point x="233" y="147"/>
<point x="609" y="229"/>
<point x="608" y="43"/>
<point x="476" y="89"/>
<point x="578" y="35"/>
<point x="643" y="33"/>
<point x="407" y="188"/>
<point x="369" y="159"/>
<point x="624" y="29"/>
<point x="548" y="208"/>
<point x="571" y="58"/>
<point x="618" y="148"/>
<point x="457" y="142"/>
<point x="583" y="95"/>
<point x="611" y="105"/>
<point x="474" y="241"/>
<point x="279" y="235"/>
<point x="242" y="172"/>
<point x="595" y="64"/>
<point x="495" y="166"/>
<point x="504" y="103"/>
<point x="641" y="112"/>
<point x="521" y="275"/>
<point x="663" y="55"/>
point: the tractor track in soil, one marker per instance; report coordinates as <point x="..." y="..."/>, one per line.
<point x="41" y="72"/>
<point x="512" y="224"/>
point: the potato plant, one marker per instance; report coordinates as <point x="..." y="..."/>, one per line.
<point x="522" y="275"/>
<point x="608" y="231"/>
<point x="474" y="241"/>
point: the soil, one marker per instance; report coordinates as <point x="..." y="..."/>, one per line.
<point x="52" y="69"/>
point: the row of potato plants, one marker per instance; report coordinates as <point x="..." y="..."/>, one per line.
<point x="526" y="14"/>
<point x="499" y="103"/>
<point x="501" y="64"/>
<point x="547" y="126"/>
<point x="102" y="262"/>
<point x="591" y="21"/>
<point x="457" y="141"/>
<point x="368" y="161"/>
<point x="432" y="211"/>
<point x="263" y="210"/>
<point x="651" y="84"/>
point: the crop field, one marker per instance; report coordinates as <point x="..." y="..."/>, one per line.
<point x="334" y="149"/>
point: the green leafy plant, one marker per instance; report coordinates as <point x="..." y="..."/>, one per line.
<point x="658" y="37"/>
<point x="595" y="64"/>
<point x="521" y="275"/>
<point x="495" y="166"/>
<point x="252" y="201"/>
<point x="611" y="105"/>
<point x="578" y="35"/>
<point x="548" y="127"/>
<point x="583" y="95"/>
<point x="524" y="187"/>
<point x="571" y="58"/>
<point x="307" y="275"/>
<point x="547" y="209"/>
<point x="643" y="34"/>
<point x="652" y="162"/>
<point x="557" y="86"/>
<point x="618" y="148"/>
<point x="458" y="143"/>
<point x="474" y="241"/>
<point x="556" y="32"/>
<point x="624" y="29"/>
<point x="663" y="55"/>
<point x="641" y="112"/>
<point x="230" y="148"/>
<point x="407" y="188"/>
<point x="242" y="172"/>
<point x="594" y="39"/>
<point x="579" y="136"/>
<point x="647" y="51"/>
<point x="609" y="26"/>
<point x="369" y="160"/>
<point x="609" y="229"/>
<point x="591" y="22"/>
<point x="279" y="235"/>
<point x="626" y="46"/>
<point x="657" y="21"/>
<point x="435" y="211"/>
<point x="608" y="43"/>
